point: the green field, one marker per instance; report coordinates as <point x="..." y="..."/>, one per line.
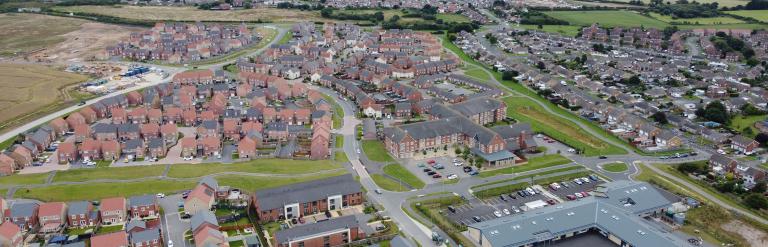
<point x="760" y="15"/>
<point x="615" y="167"/>
<point x="388" y="184"/>
<point x="38" y="178"/>
<point x="721" y="3"/>
<point x="252" y="184"/>
<point x="740" y="122"/>
<point x="399" y="172"/>
<point x="566" y="30"/>
<point x="607" y="18"/>
<point x="97" y="191"/>
<point x="122" y="173"/>
<point x="375" y="151"/>
<point x="268" y="166"/>
<point x="561" y="129"/>
<point x="553" y="171"/>
<point x="533" y="164"/>
<point x="702" y="21"/>
<point x="478" y="74"/>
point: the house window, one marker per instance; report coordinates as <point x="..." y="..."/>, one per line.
<point x="301" y="244"/>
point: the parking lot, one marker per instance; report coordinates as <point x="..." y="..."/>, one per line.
<point x="418" y="167"/>
<point x="514" y="203"/>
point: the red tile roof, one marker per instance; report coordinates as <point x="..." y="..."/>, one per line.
<point x="51" y="209"/>
<point x="113" y="203"/>
<point x="115" y="239"/>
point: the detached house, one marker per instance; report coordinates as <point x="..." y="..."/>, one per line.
<point x="113" y="211"/>
<point x="24" y="215"/>
<point x="202" y="197"/>
<point x="744" y="145"/>
<point x="82" y="214"/>
<point x="11" y="235"/>
<point x="51" y="216"/>
<point x="143" y="206"/>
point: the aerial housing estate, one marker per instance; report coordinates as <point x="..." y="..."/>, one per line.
<point x="183" y="42"/>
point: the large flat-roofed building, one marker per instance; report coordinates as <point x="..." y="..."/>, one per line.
<point x="297" y="200"/>
<point x="333" y="232"/>
<point x="616" y="211"/>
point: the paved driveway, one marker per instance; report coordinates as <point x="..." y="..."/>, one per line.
<point x="173" y="226"/>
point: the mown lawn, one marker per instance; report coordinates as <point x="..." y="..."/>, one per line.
<point x="760" y="15"/>
<point x="97" y="191"/>
<point x="564" y="169"/>
<point x="399" y="172"/>
<point x="478" y="74"/>
<point x="388" y="184"/>
<point x="339" y="141"/>
<point x="615" y="167"/>
<point x="253" y="183"/>
<point x="269" y="166"/>
<point x="561" y="129"/>
<point x="338" y="113"/>
<point x="565" y="30"/>
<point x="740" y="122"/>
<point x="376" y="151"/>
<point x="607" y="18"/>
<point x="21" y="179"/>
<point x="533" y="164"/>
<point x="695" y="21"/>
<point x="131" y="172"/>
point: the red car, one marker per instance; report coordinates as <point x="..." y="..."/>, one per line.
<point x="571" y="197"/>
<point x="436" y="176"/>
<point x="551" y="201"/>
<point x="431" y="161"/>
<point x="585" y="194"/>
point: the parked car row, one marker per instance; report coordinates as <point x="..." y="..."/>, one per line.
<point x="683" y="155"/>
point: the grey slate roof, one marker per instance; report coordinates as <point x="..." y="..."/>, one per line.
<point x="26" y="209"/>
<point x="146" y="235"/>
<point x="307" y="191"/>
<point x="201" y="217"/>
<point x="607" y="214"/>
<point x="210" y="182"/>
<point x="142" y="200"/>
<point x="302" y="231"/>
<point x="475" y="106"/>
<point x="78" y="207"/>
<point x="135" y="222"/>
<point x="104" y="128"/>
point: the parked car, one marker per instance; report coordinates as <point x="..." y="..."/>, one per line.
<point x="502" y="198"/>
<point x="570" y="197"/>
<point x="515" y="209"/>
<point x="452" y="209"/>
<point x="421" y="165"/>
<point x="160" y="195"/>
<point x="430" y="162"/>
<point x="378" y="191"/>
<point x="506" y="211"/>
<point x="476" y="219"/>
<point x="578" y="195"/>
<point x="427" y="170"/>
<point x="521" y="193"/>
<point x="452" y="176"/>
<point x="593" y="177"/>
<point x="473" y="173"/>
<point x="513" y="196"/>
<point x="602" y="157"/>
<point x="436" y="176"/>
<point x="497" y="214"/>
<point x="431" y="173"/>
<point x="551" y="202"/>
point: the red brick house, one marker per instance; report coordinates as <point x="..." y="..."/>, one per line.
<point x="143" y="206"/>
<point x="149" y="130"/>
<point x="188" y="147"/>
<point x="51" y="216"/>
<point x="89" y="114"/>
<point x="7" y="165"/>
<point x="230" y="127"/>
<point x="169" y="132"/>
<point x="67" y="152"/>
<point x="155" y="116"/>
<point x="189" y="117"/>
<point x="82" y="214"/>
<point x="172" y="115"/>
<point x="11" y="235"/>
<point x="22" y="156"/>
<point x="115" y="239"/>
<point x="90" y="149"/>
<point x="119" y="116"/>
<point x="75" y="119"/>
<point x="82" y="132"/>
<point x="135" y="98"/>
<point x="334" y="232"/>
<point x="210" y="146"/>
<point x="317" y="196"/>
<point x="110" y="150"/>
<point x="113" y="211"/>
<point x="60" y="126"/>
<point x="246" y="148"/>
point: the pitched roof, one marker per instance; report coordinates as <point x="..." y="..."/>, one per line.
<point x="201" y="218"/>
<point x="142" y="200"/>
<point x="115" y="239"/>
<point x="314" y="229"/>
<point x="307" y="191"/>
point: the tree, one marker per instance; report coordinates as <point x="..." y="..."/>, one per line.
<point x="756" y="201"/>
<point x="762" y="138"/>
<point x="509" y="75"/>
<point x="759" y="187"/>
<point x="379" y="16"/>
<point x="660" y="117"/>
<point x="715" y="111"/>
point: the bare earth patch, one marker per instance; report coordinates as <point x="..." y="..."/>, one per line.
<point x="755" y="237"/>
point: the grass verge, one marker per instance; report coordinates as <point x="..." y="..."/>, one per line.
<point x="266" y="166"/>
<point x="533" y="164"/>
<point x="375" y="151"/>
<point x="399" y="172"/>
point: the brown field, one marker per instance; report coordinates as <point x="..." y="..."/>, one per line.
<point x="26" y="90"/>
<point x="56" y="39"/>
<point x="158" y="13"/>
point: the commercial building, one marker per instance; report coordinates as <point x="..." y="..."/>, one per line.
<point x="616" y="211"/>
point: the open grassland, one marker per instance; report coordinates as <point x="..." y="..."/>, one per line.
<point x="159" y="13"/>
<point x="131" y="172"/>
<point x="710" y="20"/>
<point x="27" y="91"/>
<point x="478" y="74"/>
<point x="29" y="32"/>
<point x="533" y="164"/>
<point x="21" y="179"/>
<point x="389" y="13"/>
<point x="556" y="127"/>
<point x="739" y="123"/>
<point x="760" y="15"/>
<point x="252" y="184"/>
<point x="97" y="191"/>
<point x="565" y="30"/>
<point x="399" y="172"/>
<point x="376" y="151"/>
<point x="721" y="3"/>
<point x="607" y="18"/>
<point x="266" y="166"/>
